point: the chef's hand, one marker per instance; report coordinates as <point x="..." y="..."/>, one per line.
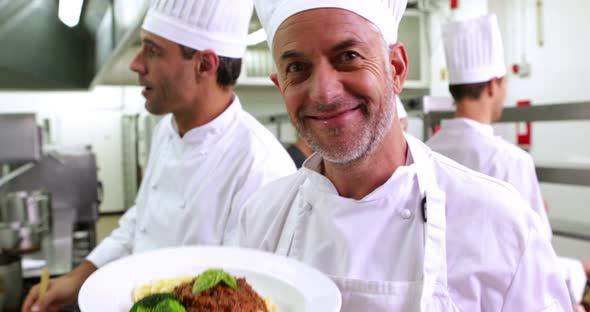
<point x="586" y="265"/>
<point x="62" y="291"/>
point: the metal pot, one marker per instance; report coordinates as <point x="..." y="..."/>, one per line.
<point x="39" y="209"/>
<point x="28" y="208"/>
<point x="9" y="236"/>
<point x="12" y="281"/>
<point x="30" y="238"/>
<point x="14" y="208"/>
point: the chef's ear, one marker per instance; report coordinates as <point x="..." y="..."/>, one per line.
<point x="206" y="64"/>
<point x="275" y="79"/>
<point x="493" y="87"/>
<point x="398" y="60"/>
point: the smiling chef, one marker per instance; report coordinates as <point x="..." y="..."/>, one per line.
<point x="396" y="226"/>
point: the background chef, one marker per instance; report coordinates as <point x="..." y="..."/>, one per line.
<point x="208" y="154"/>
<point x="477" y="77"/>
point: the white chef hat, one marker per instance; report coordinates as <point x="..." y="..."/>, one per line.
<point x="401" y="111"/>
<point x="219" y="25"/>
<point x="385" y="14"/>
<point x="474" y="50"/>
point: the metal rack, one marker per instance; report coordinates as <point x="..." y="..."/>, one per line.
<point x="579" y="111"/>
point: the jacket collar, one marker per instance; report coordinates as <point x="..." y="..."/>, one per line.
<point x="318" y="182"/>
<point x="208" y="134"/>
<point x="466" y="124"/>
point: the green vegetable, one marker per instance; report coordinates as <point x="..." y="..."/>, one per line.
<point x="158" y="303"/>
<point x="210" y="278"/>
<point x="169" y="305"/>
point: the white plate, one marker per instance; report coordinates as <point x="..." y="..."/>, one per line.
<point x="291" y="285"/>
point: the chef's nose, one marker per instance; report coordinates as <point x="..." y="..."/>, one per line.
<point x="325" y="84"/>
<point x="138" y="64"/>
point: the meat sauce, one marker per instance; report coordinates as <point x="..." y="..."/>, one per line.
<point x="221" y="298"/>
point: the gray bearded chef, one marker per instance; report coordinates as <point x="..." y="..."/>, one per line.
<point x="396" y="226"/>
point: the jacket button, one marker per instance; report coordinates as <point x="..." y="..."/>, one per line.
<point x="406" y="214"/>
<point x="154" y="186"/>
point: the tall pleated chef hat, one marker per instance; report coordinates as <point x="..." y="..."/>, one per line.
<point x="385" y="14"/>
<point x="474" y="50"/>
<point x="401" y="111"/>
<point x="219" y="25"/>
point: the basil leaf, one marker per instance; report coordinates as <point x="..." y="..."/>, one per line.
<point x="206" y="280"/>
<point x="229" y="281"/>
<point x="211" y="278"/>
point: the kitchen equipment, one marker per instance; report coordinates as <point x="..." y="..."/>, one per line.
<point x="14" y="208"/>
<point x="28" y="208"/>
<point x="9" y="236"/>
<point x="39" y="209"/>
<point x="71" y="178"/>
<point x="30" y="214"/>
<point x="30" y="238"/>
<point x="20" y="138"/>
<point x="11" y="275"/>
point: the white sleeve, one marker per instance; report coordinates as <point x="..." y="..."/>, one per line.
<point x="119" y="243"/>
<point x="538" y="283"/>
<point x="575" y="277"/>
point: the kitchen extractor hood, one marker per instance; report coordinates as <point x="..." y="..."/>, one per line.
<point x="40" y="52"/>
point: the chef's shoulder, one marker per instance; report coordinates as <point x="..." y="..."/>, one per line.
<point x="512" y="154"/>
<point x="488" y="206"/>
<point x="263" y="217"/>
<point x="251" y="135"/>
<point x="488" y="223"/>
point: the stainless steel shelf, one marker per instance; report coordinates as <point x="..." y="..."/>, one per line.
<point x="570" y="176"/>
<point x="551" y="112"/>
<point x="570" y="229"/>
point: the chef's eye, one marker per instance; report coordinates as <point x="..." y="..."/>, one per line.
<point x="348" y="56"/>
<point x="151" y="51"/>
<point x="295" y="67"/>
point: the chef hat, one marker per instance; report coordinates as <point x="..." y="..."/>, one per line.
<point x="385" y="14"/>
<point x="474" y="50"/>
<point x="219" y="25"/>
<point x="401" y="111"/>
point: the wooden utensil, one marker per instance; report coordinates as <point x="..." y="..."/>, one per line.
<point x="44" y="282"/>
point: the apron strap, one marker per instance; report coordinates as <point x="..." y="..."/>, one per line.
<point x="433" y="214"/>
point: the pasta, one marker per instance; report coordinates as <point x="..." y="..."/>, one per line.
<point x="159" y="286"/>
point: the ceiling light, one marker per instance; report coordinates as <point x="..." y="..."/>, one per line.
<point x="69" y="11"/>
<point x="256" y="37"/>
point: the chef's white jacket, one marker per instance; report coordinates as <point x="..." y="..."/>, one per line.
<point x="497" y="256"/>
<point x="195" y="186"/>
<point x="474" y="145"/>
